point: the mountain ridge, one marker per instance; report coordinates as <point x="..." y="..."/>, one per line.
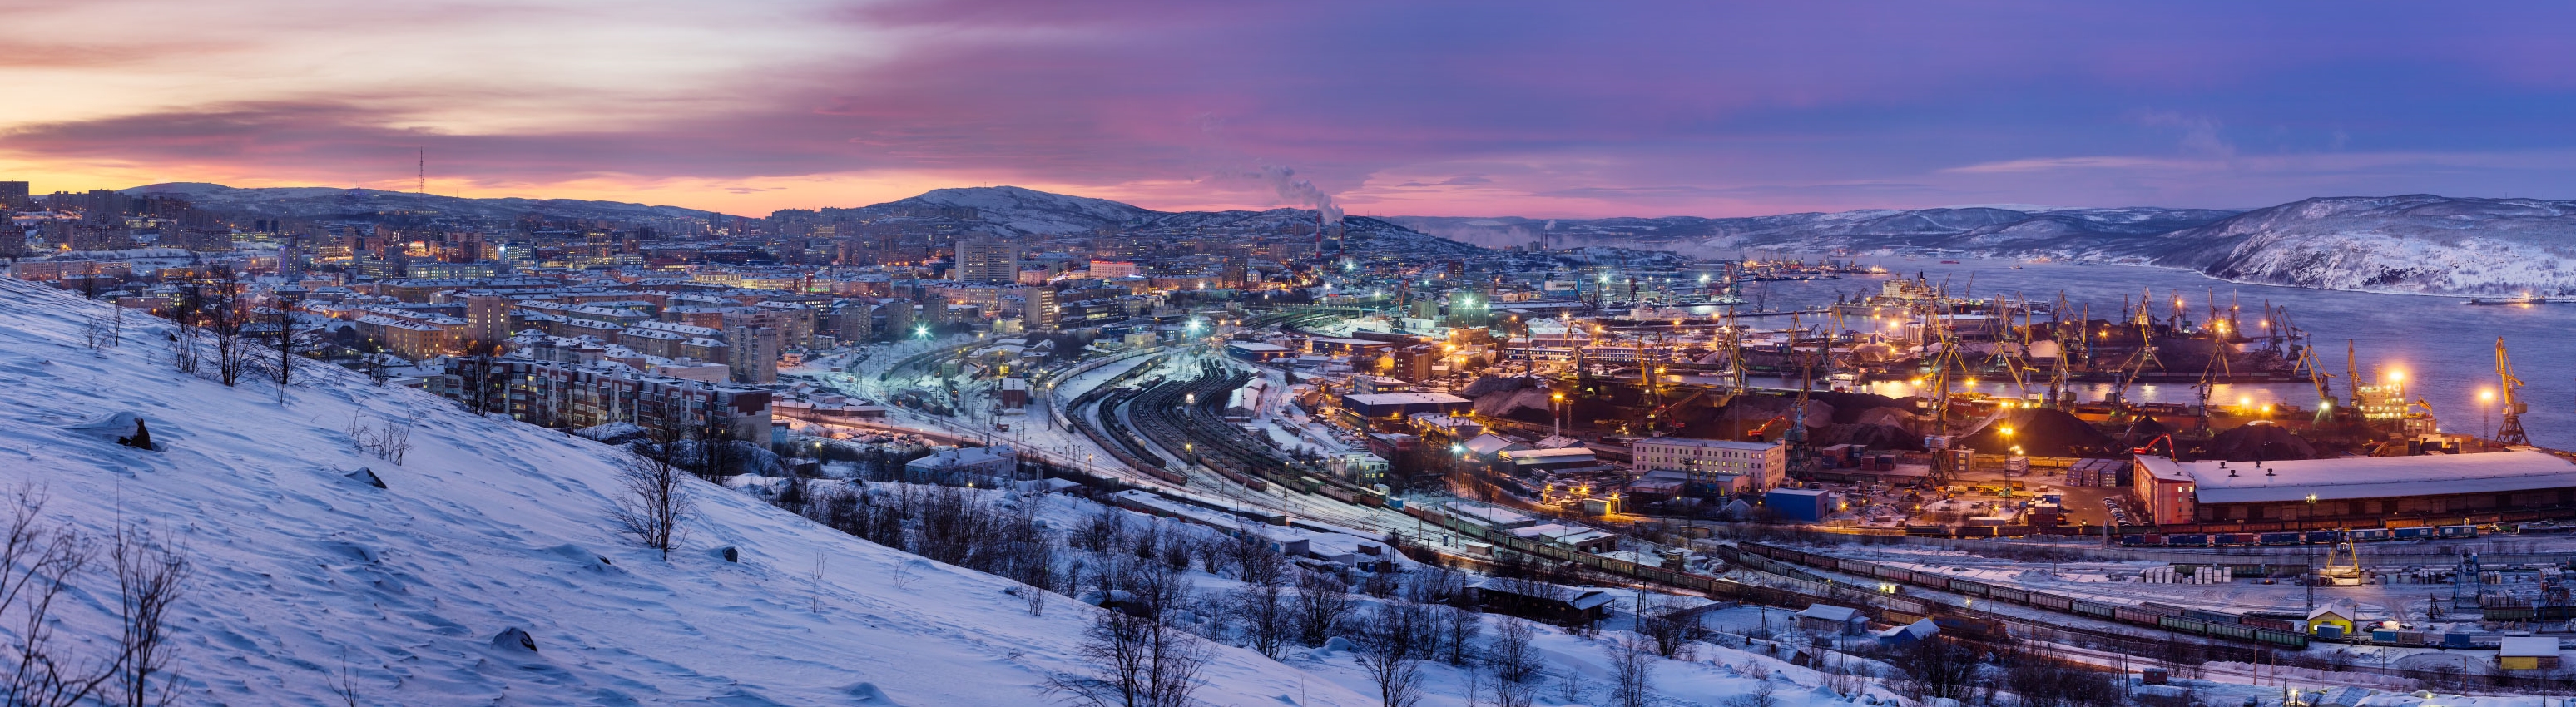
<point x="2414" y="243"/>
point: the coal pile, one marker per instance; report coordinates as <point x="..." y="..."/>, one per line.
<point x="2040" y="432"/>
<point x="2259" y="442"/>
<point x="1868" y="436"/>
<point x="2142" y="430"/>
<point x="1848" y="407"/>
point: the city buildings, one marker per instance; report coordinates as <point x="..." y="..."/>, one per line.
<point x="573" y="394"/>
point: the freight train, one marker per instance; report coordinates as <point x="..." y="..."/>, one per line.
<point x="2171" y="618"/>
<point x="2309" y="537"/>
<point x="2150" y="539"/>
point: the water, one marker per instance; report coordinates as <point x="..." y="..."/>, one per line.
<point x="2445" y="349"/>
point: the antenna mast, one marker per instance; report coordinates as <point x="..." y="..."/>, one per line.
<point x="422" y="186"/>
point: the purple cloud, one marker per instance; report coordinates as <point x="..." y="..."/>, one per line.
<point x="1524" y="107"/>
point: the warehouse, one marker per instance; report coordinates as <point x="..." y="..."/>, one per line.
<point x="2364" y="491"/>
<point x="1398" y="405"/>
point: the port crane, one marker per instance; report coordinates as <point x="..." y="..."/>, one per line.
<point x="2511" y="434"/>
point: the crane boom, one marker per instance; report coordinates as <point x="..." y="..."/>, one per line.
<point x="2511" y="434"/>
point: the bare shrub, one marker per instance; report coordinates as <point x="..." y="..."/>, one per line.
<point x="1135" y="661"/>
<point x="388" y="439"/>
<point x="1632" y="665"/>
<point x="148" y="578"/>
<point x="1513" y="663"/>
<point x="1322" y="604"/>
<point x="1388" y="645"/>
<point x="39" y="567"/>
<point x="656" y="501"/>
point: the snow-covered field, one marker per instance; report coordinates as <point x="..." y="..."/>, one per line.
<point x="490" y="525"/>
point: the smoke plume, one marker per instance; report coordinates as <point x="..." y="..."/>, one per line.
<point x="1298" y="191"/>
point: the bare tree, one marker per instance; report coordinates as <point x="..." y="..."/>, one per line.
<point x="1388" y="644"/>
<point x="1102" y="530"/>
<point x="227" y="315"/>
<point x="1322" y="603"/>
<point x="36" y="569"/>
<point x="1254" y="561"/>
<point x="1513" y="663"/>
<point x="1668" y="627"/>
<point x="1136" y="661"/>
<point x="148" y="579"/>
<point x="655" y="503"/>
<point x="186" y="316"/>
<point x="1457" y="629"/>
<point x="285" y="371"/>
<point x="483" y="384"/>
<point x="1212" y="553"/>
<point x="1763" y="694"/>
<point x="1264" y="613"/>
<point x="1937" y="667"/>
<point x="1632" y="666"/>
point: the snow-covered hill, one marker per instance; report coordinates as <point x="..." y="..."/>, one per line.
<point x="1997" y="231"/>
<point x="1019" y="211"/>
<point x="486" y="526"/>
<point x="327" y="202"/>
<point x="2415" y="243"/>
<point x="1029" y="210"/>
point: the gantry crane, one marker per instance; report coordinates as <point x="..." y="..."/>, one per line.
<point x="2511" y="434"/>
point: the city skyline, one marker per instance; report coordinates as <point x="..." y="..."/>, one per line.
<point x="1432" y="109"/>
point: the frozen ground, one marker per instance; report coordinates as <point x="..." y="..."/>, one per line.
<point x="489" y="525"/>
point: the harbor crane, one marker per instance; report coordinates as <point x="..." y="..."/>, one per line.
<point x="2511" y="434"/>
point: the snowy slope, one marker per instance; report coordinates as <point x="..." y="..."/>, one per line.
<point x="313" y="202"/>
<point x="1031" y="211"/>
<point x="2415" y="243"/>
<point x="490" y="525"/>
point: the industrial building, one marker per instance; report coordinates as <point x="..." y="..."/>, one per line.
<point x="1398" y="405"/>
<point x="1716" y="466"/>
<point x="2357" y="491"/>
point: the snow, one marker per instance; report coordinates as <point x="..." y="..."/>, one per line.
<point x="491" y="528"/>
<point x="490" y="525"/>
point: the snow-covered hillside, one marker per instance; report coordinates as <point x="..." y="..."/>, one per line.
<point x="2416" y="243"/>
<point x="323" y="202"/>
<point x="1029" y="210"/>
<point x="490" y="525"/>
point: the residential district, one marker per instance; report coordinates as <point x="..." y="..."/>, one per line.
<point x="1900" y="460"/>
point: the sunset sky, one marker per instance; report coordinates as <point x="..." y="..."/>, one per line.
<point x="1556" y="109"/>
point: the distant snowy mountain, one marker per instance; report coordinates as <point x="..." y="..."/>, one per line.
<point x="488" y="525"/>
<point x="1029" y="210"/>
<point x="1018" y="211"/>
<point x="329" y="202"/>
<point x="2058" y="232"/>
<point x="2416" y="243"/>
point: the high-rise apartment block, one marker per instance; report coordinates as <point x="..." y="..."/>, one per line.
<point x="988" y="260"/>
<point x="753" y="351"/>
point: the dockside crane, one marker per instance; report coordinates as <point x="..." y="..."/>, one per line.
<point x="2511" y="434"/>
<point x="2325" y="394"/>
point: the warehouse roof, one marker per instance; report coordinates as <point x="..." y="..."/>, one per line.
<point x="2369" y="477"/>
<point x="1405" y="399"/>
